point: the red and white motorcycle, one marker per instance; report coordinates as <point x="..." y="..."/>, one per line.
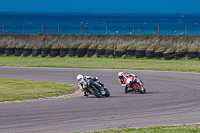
<point x="134" y="85"/>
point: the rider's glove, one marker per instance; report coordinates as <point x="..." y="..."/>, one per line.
<point x="123" y="85"/>
<point x="134" y="80"/>
<point x="130" y="85"/>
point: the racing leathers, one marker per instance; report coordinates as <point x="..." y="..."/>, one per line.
<point x="123" y="81"/>
<point x="83" y="84"/>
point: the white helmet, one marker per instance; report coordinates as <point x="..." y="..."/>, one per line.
<point x="80" y="78"/>
<point x="121" y="75"/>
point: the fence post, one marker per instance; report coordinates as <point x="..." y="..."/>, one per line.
<point x="42" y="29"/>
<point x="106" y="29"/>
<point x="43" y="41"/>
<point x="81" y="29"/>
<point x="3" y="28"/>
<point x="23" y="29"/>
<point x="59" y="29"/>
<point x="133" y="29"/>
<point x="185" y="30"/>
<point x="158" y="30"/>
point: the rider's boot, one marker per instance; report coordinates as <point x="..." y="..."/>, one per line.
<point x="125" y="89"/>
<point x="85" y="94"/>
<point x="103" y="92"/>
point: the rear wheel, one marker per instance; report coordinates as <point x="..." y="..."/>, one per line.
<point x="138" y="88"/>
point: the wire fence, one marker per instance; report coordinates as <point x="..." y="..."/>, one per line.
<point x="58" y="30"/>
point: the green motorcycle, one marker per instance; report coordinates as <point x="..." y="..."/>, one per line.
<point x="95" y="88"/>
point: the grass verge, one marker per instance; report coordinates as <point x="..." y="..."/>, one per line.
<point x="18" y="89"/>
<point x="156" y="129"/>
<point x="14" y="89"/>
<point x="183" y="65"/>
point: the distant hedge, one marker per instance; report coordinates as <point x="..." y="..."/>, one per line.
<point x="149" y="46"/>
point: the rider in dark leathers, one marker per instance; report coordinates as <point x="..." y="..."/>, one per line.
<point x="82" y="83"/>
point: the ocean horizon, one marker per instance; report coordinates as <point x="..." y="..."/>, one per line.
<point x="95" y="23"/>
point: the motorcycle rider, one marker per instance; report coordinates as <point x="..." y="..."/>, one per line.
<point x="123" y="78"/>
<point x="82" y="83"/>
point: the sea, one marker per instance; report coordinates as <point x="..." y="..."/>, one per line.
<point x="100" y="23"/>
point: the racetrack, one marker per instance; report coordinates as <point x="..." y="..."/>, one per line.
<point x="172" y="98"/>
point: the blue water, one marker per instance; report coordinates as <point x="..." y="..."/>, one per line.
<point x="95" y="23"/>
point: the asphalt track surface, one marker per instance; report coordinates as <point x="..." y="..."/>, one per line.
<point x="172" y="98"/>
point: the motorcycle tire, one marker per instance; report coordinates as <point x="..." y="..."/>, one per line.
<point x="144" y="90"/>
<point x="158" y="55"/>
<point x="107" y="94"/>
<point x="130" y="53"/>
<point x="140" y="53"/>
<point x="63" y="52"/>
<point x="18" y="51"/>
<point x="138" y="89"/>
<point x="95" y="92"/>
<point x="36" y="52"/>
<point x="10" y="51"/>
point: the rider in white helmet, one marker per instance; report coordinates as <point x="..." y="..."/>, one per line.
<point x="123" y="78"/>
<point x="81" y="79"/>
<point x="82" y="82"/>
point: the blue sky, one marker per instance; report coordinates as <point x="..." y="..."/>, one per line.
<point x="110" y="6"/>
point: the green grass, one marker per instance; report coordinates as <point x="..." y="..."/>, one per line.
<point x="15" y="89"/>
<point x="183" y="65"/>
<point x="156" y="129"/>
<point x="18" y="89"/>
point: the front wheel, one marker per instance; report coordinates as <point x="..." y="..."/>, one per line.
<point x="107" y="94"/>
<point x="144" y="89"/>
<point x="96" y="92"/>
<point x="138" y="88"/>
